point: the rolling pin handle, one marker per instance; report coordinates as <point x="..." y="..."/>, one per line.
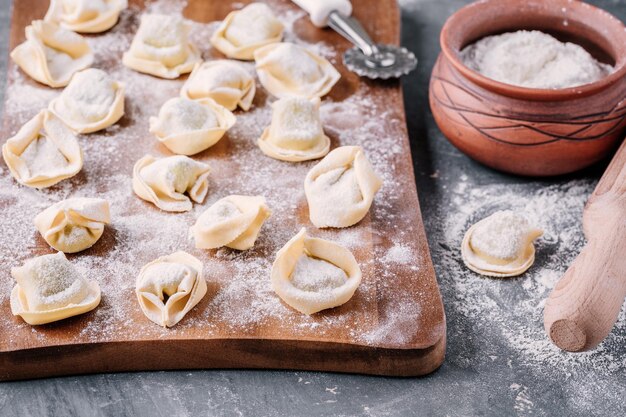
<point x="320" y="10"/>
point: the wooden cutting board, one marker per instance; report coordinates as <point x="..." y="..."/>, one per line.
<point x="395" y="323"/>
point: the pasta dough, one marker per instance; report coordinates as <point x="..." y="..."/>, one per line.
<point x="51" y="54"/>
<point x="500" y="245"/>
<point x="233" y="221"/>
<point x="246" y="30"/>
<point x="43" y="152"/>
<point x="311" y="274"/>
<point x="187" y="127"/>
<point x="85" y="16"/>
<point x="161" y="47"/>
<point x="285" y="69"/>
<point x="74" y="224"/>
<point x="169" y="287"/>
<point x="164" y="182"/>
<point x="49" y="288"/>
<point x="92" y="101"/>
<point x="341" y="187"/>
<point x="224" y="81"/>
<point x="296" y="132"/>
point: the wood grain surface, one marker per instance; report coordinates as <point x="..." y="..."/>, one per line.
<point x="411" y="346"/>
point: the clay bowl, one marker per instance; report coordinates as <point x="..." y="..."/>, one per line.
<point x="534" y="132"/>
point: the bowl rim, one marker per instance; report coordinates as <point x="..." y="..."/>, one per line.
<point x="519" y="92"/>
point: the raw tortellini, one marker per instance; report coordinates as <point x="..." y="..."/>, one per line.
<point x="224" y="81"/>
<point x="286" y="69"/>
<point x="341" y="187"/>
<point x="43" y="152"/>
<point x="161" y="47"/>
<point x="296" y="132"/>
<point x="168" y="287"/>
<point x="164" y="182"/>
<point x="500" y="245"/>
<point x="74" y="224"/>
<point x="91" y="102"/>
<point x="187" y="127"/>
<point x="313" y="274"/>
<point x="246" y="30"/>
<point x="51" y="54"/>
<point x="50" y="288"/>
<point x="233" y="221"/>
<point x="85" y="16"/>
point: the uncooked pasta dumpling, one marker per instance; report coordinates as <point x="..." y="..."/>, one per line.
<point x="500" y="245"/>
<point x="246" y="30"/>
<point x="169" y="287"/>
<point x="296" y="132"/>
<point x="91" y="102"/>
<point x="224" y="81"/>
<point x="341" y="187"/>
<point x="51" y="54"/>
<point x="313" y="274"/>
<point x="286" y="70"/>
<point x="74" y="224"/>
<point x="187" y="127"/>
<point x="161" y="47"/>
<point x="233" y="221"/>
<point x="85" y="16"/>
<point x="49" y="288"/>
<point x="171" y="183"/>
<point x="43" y="152"/>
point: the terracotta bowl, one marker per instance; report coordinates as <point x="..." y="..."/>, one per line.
<point x="535" y="132"/>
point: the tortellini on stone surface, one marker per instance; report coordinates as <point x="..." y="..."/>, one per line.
<point x="43" y="152"/>
<point x="85" y="16"/>
<point x="161" y="47"/>
<point x="51" y="54"/>
<point x="233" y="221"/>
<point x="311" y="274"/>
<point x="286" y="69"/>
<point x="49" y="288"/>
<point x="187" y="127"/>
<point x="246" y="30"/>
<point x="340" y="189"/>
<point x="169" y="287"/>
<point x="74" y="224"/>
<point x="224" y="81"/>
<point x="171" y="183"/>
<point x="296" y="132"/>
<point x="92" y="101"/>
<point x="500" y="245"/>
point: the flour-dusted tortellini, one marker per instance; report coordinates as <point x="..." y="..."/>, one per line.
<point x="169" y="287"/>
<point x="74" y="224"/>
<point x="187" y="127"/>
<point x="43" y="152"/>
<point x="91" y="102"/>
<point x="341" y="187"/>
<point x="500" y="245"/>
<point x="246" y="30"/>
<point x="85" y="16"/>
<point x="161" y="47"/>
<point x="224" y="81"/>
<point x="286" y="70"/>
<point x="164" y="182"/>
<point x="296" y="132"/>
<point x="233" y="221"/>
<point x="51" y="54"/>
<point x="313" y="274"/>
<point x="49" y="288"/>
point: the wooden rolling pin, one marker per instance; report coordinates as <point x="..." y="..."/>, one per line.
<point x="585" y="303"/>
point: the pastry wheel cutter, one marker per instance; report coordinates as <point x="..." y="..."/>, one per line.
<point x="366" y="58"/>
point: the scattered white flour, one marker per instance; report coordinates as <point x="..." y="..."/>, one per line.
<point x="533" y="59"/>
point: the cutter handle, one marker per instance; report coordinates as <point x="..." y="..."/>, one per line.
<point x="319" y="10"/>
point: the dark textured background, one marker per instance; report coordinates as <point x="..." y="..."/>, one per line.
<point x="482" y="376"/>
